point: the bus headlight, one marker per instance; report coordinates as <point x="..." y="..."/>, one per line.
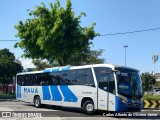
<point x="123" y="100"/>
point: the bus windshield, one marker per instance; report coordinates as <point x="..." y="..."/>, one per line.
<point x="129" y="83"/>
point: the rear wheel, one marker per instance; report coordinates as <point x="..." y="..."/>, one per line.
<point x="37" y="102"/>
<point x="88" y="107"/>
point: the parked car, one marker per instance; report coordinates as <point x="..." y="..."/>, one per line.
<point x="155" y="92"/>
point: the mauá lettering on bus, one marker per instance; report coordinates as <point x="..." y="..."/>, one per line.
<point x="30" y="90"/>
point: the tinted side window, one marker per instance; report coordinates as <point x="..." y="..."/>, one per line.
<point x="55" y="78"/>
<point x="31" y="80"/>
<point x="41" y="79"/>
<point x="68" y="77"/>
<point x="84" y="77"/>
<point x="65" y="77"/>
<point x="105" y="79"/>
<point x="50" y="79"/>
<point x="21" y="80"/>
<point x="112" y="84"/>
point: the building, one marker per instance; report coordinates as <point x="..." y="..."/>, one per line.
<point x="11" y="88"/>
<point x="28" y="69"/>
<point x="157" y="75"/>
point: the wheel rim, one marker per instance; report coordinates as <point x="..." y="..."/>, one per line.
<point x="36" y="102"/>
<point x="89" y="107"/>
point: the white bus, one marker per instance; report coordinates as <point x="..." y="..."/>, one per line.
<point x="90" y="87"/>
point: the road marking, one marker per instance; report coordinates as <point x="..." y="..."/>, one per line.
<point x="150" y="110"/>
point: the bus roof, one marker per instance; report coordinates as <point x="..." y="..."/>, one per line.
<point x="63" y="68"/>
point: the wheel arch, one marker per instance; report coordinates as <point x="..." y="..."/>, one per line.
<point x="36" y="96"/>
<point x="85" y="99"/>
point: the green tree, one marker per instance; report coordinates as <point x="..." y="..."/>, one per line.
<point x="41" y="64"/>
<point x="148" y="81"/>
<point x="8" y="68"/>
<point x="91" y="58"/>
<point x="55" y="34"/>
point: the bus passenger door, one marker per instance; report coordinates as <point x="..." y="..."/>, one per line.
<point x="102" y="75"/>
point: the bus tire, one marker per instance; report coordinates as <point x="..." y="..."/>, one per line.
<point x="88" y="107"/>
<point x="37" y="102"/>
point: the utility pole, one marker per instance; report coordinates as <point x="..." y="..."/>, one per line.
<point x="155" y="59"/>
<point x="125" y="53"/>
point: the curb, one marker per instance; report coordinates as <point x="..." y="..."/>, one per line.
<point x="7" y="99"/>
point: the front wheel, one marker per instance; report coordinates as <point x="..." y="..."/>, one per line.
<point x="37" y="102"/>
<point x="88" y="107"/>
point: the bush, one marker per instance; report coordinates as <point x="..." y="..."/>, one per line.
<point x="151" y="97"/>
<point x="6" y="96"/>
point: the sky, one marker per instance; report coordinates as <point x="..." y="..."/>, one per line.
<point x="110" y="16"/>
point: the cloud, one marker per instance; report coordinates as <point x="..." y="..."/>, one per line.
<point x="27" y="63"/>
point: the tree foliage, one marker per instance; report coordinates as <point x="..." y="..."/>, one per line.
<point x="8" y="68"/>
<point x="91" y="58"/>
<point x="41" y="64"/>
<point x="55" y="34"/>
<point x="148" y="81"/>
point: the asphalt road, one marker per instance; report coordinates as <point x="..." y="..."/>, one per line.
<point x="21" y="110"/>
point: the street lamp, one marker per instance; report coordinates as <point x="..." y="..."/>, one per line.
<point x="125" y="53"/>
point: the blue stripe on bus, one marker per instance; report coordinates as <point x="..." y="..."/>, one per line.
<point x="68" y="94"/>
<point x="65" y="68"/>
<point x="116" y="103"/>
<point x="56" y="96"/>
<point x="47" y="70"/>
<point x="46" y="93"/>
<point x="55" y="69"/>
<point x="18" y="91"/>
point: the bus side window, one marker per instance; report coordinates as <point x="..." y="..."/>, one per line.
<point x="102" y="78"/>
<point x="55" y="78"/>
<point x="84" y="77"/>
<point x="58" y="79"/>
<point x="112" y="84"/>
<point x="105" y="79"/>
<point x="23" y="80"/>
<point x="49" y="79"/>
<point x="68" y="77"/>
<point x="32" y="80"/>
<point x="72" y="77"/>
<point x="28" y="81"/>
<point x="65" y="77"/>
<point x="19" y="79"/>
<point x="41" y="79"/>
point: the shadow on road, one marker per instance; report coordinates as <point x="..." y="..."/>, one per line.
<point x="68" y="112"/>
<point x="54" y="111"/>
<point x="75" y="112"/>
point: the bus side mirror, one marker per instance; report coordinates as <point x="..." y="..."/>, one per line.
<point x="114" y="70"/>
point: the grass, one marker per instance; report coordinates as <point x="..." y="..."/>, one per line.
<point x="7" y="96"/>
<point x="151" y="97"/>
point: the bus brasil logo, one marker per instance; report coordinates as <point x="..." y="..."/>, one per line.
<point x="30" y="90"/>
